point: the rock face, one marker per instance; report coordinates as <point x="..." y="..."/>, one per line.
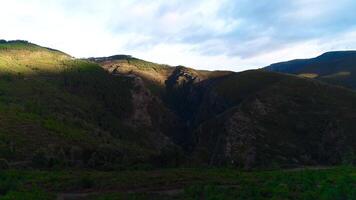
<point x="150" y="114"/>
<point x="182" y="77"/>
<point x="182" y="93"/>
<point x="141" y="99"/>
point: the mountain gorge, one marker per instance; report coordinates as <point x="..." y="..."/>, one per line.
<point x="253" y="118"/>
<point x="120" y="111"/>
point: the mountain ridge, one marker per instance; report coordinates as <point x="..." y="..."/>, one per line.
<point x="337" y="67"/>
<point x="120" y="111"/>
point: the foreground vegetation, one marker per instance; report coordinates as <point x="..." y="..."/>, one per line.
<point x="214" y="183"/>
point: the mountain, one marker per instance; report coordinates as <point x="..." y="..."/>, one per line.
<point x="178" y="89"/>
<point x="63" y="109"/>
<point x="265" y="119"/>
<point x="254" y="118"/>
<point x="337" y="67"/>
<point x="120" y="112"/>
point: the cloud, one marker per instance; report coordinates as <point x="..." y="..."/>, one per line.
<point x="209" y="34"/>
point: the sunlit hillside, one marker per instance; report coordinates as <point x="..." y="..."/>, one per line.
<point x="52" y="104"/>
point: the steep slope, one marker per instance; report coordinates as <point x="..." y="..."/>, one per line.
<point x="273" y="119"/>
<point x="334" y="67"/>
<point x="51" y="103"/>
<point x="177" y="91"/>
<point x="254" y="118"/>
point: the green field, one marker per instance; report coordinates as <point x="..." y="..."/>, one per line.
<point x="212" y="183"/>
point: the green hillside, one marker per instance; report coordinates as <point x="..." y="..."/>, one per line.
<point x="53" y="103"/>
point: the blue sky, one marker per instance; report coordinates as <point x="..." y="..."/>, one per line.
<point x="204" y="34"/>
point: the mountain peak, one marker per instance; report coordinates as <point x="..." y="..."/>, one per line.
<point x="336" y="67"/>
<point x="337" y="54"/>
<point x="25" y="45"/>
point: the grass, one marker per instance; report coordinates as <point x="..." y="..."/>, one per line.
<point x="145" y="65"/>
<point x="308" y="75"/>
<point x="152" y="74"/>
<point x="337" y="75"/>
<point x="210" y="183"/>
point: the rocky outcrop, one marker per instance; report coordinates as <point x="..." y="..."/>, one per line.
<point x="141" y="100"/>
<point x="182" y="92"/>
<point x="182" y="77"/>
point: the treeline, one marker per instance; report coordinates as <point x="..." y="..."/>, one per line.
<point x="13" y="41"/>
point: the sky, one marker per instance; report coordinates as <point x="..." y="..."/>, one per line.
<point x="203" y="34"/>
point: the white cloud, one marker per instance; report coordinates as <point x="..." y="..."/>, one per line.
<point x="207" y="34"/>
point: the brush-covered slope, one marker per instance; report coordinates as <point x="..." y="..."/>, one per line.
<point x="255" y="118"/>
<point x="179" y="88"/>
<point x="334" y="67"/>
<point x="55" y="108"/>
<point x="270" y="119"/>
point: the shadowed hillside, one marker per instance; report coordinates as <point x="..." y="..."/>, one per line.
<point x="273" y="119"/>
<point x="253" y="118"/>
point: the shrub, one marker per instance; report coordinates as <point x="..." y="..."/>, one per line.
<point x="105" y="157"/>
<point x="7" y="77"/>
<point x="170" y="156"/>
<point x="95" y="160"/>
<point x="4" y="164"/>
<point x="33" y="194"/>
<point x="40" y="159"/>
<point x="349" y="158"/>
<point x="86" y="182"/>
<point x="76" y="154"/>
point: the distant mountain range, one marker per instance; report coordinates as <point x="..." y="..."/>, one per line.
<point x="337" y="67"/>
<point x="120" y="111"/>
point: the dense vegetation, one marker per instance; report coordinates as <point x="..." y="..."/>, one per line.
<point x="324" y="184"/>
